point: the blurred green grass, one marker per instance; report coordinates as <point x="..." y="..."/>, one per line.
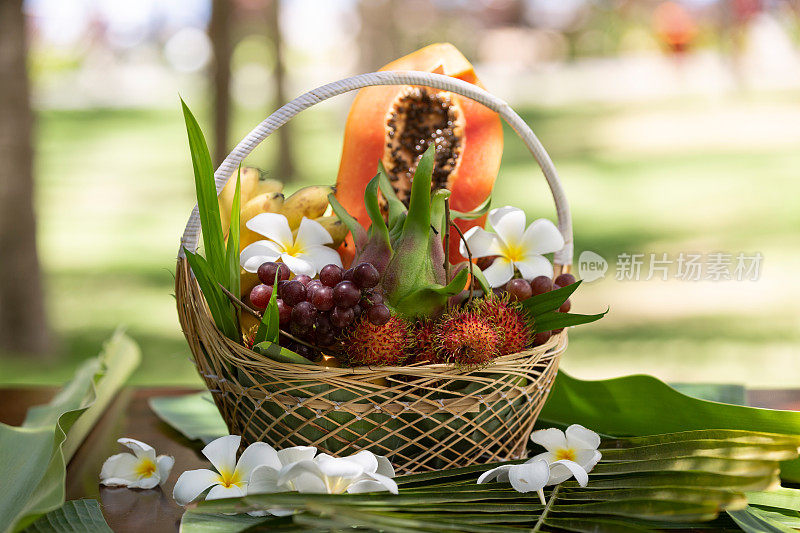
<point x="114" y="190"/>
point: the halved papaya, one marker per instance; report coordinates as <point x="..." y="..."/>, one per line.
<point x="395" y="124"/>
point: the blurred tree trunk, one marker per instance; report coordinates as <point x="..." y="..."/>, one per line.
<point x="285" y="137"/>
<point x="379" y="37"/>
<point x="219" y="32"/>
<point x="23" y="326"/>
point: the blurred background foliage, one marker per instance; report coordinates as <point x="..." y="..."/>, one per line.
<point x="674" y="126"/>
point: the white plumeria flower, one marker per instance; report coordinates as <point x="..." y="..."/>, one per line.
<point x="514" y="245"/>
<point x="138" y="470"/>
<point x="577" y="444"/>
<point x="264" y="478"/>
<point x="361" y="472"/>
<point x="231" y="477"/>
<point x="305" y="254"/>
<point x="533" y="475"/>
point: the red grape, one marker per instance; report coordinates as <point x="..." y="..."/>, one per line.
<point x="541" y="285"/>
<point x="565" y="279"/>
<point x="284" y="312"/>
<point x="370" y="298"/>
<point x="348" y="274"/>
<point x="379" y="314"/>
<point x="260" y="296"/>
<point x="346" y="294"/>
<point x="322" y="324"/>
<point x="302" y="278"/>
<point x="366" y="275"/>
<point x="293" y="292"/>
<point x="322" y="298"/>
<point x="565" y="307"/>
<point x="356" y="310"/>
<point x="519" y="289"/>
<point x="303" y="314"/>
<point x="330" y="275"/>
<point x="541" y="337"/>
<point x="312" y="286"/>
<point x="324" y="338"/>
<point x="341" y="318"/>
<point x="266" y="272"/>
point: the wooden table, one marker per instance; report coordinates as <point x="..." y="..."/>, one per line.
<point x="154" y="511"/>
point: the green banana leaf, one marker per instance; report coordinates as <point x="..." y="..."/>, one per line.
<point x="33" y="457"/>
<point x="752" y="520"/>
<point x="194" y="415"/>
<point x="641" y="405"/>
<point x="75" y="516"/>
<point x="687" y="480"/>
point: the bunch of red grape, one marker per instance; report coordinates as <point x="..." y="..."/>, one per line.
<point x="319" y="310"/>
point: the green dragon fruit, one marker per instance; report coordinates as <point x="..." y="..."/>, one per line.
<point x="407" y="250"/>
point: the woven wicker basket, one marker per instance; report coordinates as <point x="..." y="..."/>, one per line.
<point x="422" y="418"/>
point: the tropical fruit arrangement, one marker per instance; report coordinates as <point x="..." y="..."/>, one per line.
<point x="395" y="264"/>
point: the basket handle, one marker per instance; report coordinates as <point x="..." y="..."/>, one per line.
<point x="562" y="258"/>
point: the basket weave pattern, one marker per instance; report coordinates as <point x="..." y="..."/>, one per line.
<point x="422" y="418"/>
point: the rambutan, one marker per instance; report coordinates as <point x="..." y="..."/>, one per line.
<point x="509" y="318"/>
<point x="468" y="339"/>
<point x="371" y="345"/>
<point x="422" y="346"/>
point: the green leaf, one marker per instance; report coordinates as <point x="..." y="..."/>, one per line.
<point x="33" y="457"/>
<point x="75" y="516"/>
<point x="478" y="212"/>
<point x="378" y="230"/>
<point x="432" y="295"/>
<point x="218" y="304"/>
<point x="753" y="521"/>
<point x="269" y="328"/>
<point x="644" y="405"/>
<point x="419" y="209"/>
<point x="356" y="229"/>
<point x="206" y="191"/>
<point x="593" y="525"/>
<point x="549" y="301"/>
<point x="280" y="354"/>
<point x="192" y="522"/>
<point x="554" y="320"/>
<point x="232" y="252"/>
<point x="396" y="208"/>
<point x="438" y="210"/>
<point x="781" y="497"/>
<point x="193" y="415"/>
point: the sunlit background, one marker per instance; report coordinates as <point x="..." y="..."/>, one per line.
<point x="675" y="128"/>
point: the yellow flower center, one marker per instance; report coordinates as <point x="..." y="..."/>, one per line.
<point x="294" y="248"/>
<point x="229" y="479"/>
<point x="514" y="252"/>
<point x="145" y="468"/>
<point x="565" y="453"/>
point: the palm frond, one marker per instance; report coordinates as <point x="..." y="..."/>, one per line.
<point x="641" y="484"/>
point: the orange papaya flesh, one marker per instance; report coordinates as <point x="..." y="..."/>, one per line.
<point x="395" y="124"/>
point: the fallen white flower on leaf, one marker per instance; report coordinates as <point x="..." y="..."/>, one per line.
<point x="569" y="454"/>
<point x="576" y="444"/>
<point x="231" y="477"/>
<point x="138" y="470"/>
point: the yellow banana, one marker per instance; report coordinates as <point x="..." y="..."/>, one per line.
<point x="310" y="202"/>
<point x="266" y="185"/>
<point x="249" y="178"/>
<point x="248" y="281"/>
<point x="334" y="226"/>
<point x="268" y="202"/>
<point x="248" y="324"/>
